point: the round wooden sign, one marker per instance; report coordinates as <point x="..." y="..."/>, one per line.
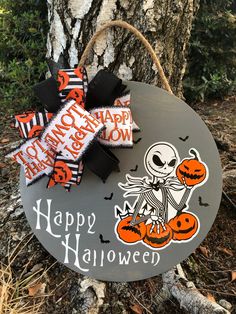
<point x="146" y="218"/>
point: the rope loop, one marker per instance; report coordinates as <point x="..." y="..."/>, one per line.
<point x="125" y="25"/>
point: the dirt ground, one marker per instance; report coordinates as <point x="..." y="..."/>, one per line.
<point x="212" y="267"/>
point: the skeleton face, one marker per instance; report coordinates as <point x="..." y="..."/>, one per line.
<point x="160" y="160"/>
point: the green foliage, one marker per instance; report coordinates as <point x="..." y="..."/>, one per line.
<point x="23" y="28"/>
<point x="212" y="60"/>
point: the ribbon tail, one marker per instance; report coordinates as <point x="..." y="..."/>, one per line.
<point x="101" y="161"/>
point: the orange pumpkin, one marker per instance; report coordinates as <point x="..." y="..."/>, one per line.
<point x="131" y="234"/>
<point x="61" y="174"/>
<point x="49" y="115"/>
<point x="76" y="94"/>
<point x="191" y="171"/>
<point x="63" y="79"/>
<point x="184" y="226"/>
<point x="156" y="239"/>
<point x="35" y="131"/>
<point x="25" y="117"/>
<point x="79" y="72"/>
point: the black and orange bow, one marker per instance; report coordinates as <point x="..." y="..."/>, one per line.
<point x="80" y="121"/>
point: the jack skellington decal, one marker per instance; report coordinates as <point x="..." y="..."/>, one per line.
<point x="160" y="213"/>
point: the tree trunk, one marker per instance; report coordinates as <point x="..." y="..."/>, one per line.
<point x="166" y="24"/>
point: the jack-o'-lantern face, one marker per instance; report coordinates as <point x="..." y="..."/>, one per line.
<point x="35" y="131"/>
<point x="129" y="233"/>
<point x="61" y="174"/>
<point x="184" y="226"/>
<point x="191" y="171"/>
<point x="79" y="72"/>
<point x="76" y="94"/>
<point x="158" y="240"/>
<point x="49" y="115"/>
<point x="63" y="79"/>
<point x="26" y="117"/>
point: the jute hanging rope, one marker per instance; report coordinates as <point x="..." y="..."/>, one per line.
<point x="137" y="33"/>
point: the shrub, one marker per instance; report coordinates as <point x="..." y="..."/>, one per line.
<point x="211" y="65"/>
<point x="22" y="52"/>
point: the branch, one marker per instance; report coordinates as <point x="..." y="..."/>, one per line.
<point x="187" y="294"/>
<point x="93" y="292"/>
<point x="13" y="207"/>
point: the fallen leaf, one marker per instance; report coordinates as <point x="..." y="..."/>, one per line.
<point x="225" y="250"/>
<point x="211" y="297"/>
<point x="204" y="250"/>
<point x="5" y="140"/>
<point x="2" y="165"/>
<point x="37" y="289"/>
<point x="136" y="309"/>
<point x="233" y="275"/>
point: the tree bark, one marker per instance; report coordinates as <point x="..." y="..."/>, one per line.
<point x="166" y="24"/>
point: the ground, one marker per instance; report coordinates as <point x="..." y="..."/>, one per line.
<point x="212" y="267"/>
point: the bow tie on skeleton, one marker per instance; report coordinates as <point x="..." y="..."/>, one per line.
<point x="160" y="162"/>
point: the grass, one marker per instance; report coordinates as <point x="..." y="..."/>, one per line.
<point x="13" y="298"/>
<point x="19" y="295"/>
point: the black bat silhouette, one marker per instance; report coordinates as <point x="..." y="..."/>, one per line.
<point x="137" y="141"/>
<point x="201" y="203"/>
<point x="102" y="240"/>
<point x="135" y="169"/>
<point x="184" y="138"/>
<point x="108" y="198"/>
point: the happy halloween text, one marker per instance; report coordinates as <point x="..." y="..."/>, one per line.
<point x="86" y="258"/>
<point x="71" y="131"/>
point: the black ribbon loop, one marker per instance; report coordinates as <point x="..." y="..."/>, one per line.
<point x="47" y="92"/>
<point x="104" y="88"/>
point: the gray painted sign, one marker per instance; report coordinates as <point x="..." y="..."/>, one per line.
<point x="151" y="215"/>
